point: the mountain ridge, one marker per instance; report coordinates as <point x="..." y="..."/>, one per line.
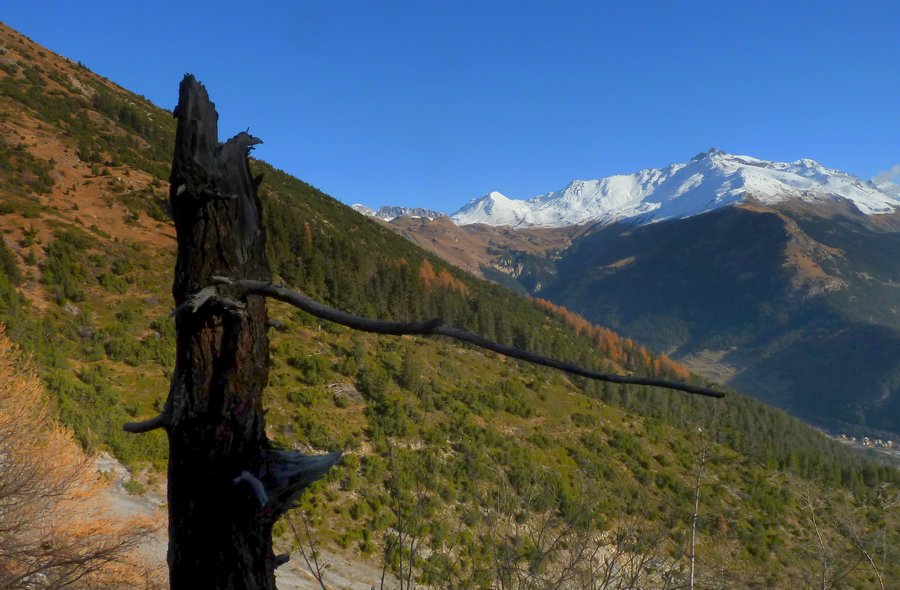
<point x="710" y="180"/>
<point x="833" y="279"/>
<point x="391" y="212"/>
<point x="707" y="182"/>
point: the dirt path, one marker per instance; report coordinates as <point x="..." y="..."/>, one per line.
<point x="124" y="505"/>
<point x="341" y="572"/>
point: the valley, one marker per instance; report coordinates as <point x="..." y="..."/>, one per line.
<point x="763" y="278"/>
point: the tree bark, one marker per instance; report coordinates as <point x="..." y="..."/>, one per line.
<point x="227" y="486"/>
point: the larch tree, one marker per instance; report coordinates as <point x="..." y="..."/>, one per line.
<point x="52" y="500"/>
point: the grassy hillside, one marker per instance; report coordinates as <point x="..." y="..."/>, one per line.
<point x="466" y="439"/>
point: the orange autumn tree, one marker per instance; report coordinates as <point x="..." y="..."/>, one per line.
<point x="620" y="350"/>
<point x="441" y="280"/>
<point x="55" y="528"/>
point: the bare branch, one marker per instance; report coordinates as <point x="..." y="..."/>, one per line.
<point x="161" y="421"/>
<point x="435" y="327"/>
<point x="309" y="551"/>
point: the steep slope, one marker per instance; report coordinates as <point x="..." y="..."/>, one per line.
<point x="86" y="272"/>
<point x="501" y="254"/>
<point x="804" y="308"/>
<point x="709" y="181"/>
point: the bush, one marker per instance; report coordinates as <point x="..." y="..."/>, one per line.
<point x="8" y="265"/>
<point x="64" y="269"/>
<point x="313" y="369"/>
<point x="52" y="527"/>
<point x="372" y="381"/>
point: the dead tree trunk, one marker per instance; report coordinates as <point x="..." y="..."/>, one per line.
<point x="215" y="414"/>
<point x="227" y="486"/>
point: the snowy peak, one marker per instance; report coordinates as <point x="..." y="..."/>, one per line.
<point x="710" y="180"/>
<point x="389" y="213"/>
<point x="495" y="206"/>
<point x="360" y="208"/>
<point x="890" y="188"/>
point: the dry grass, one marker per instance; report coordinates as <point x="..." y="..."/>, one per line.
<point x="54" y="528"/>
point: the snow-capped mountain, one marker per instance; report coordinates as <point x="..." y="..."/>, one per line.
<point x="890" y="188"/>
<point x="710" y="180"/>
<point x="498" y="208"/>
<point x="388" y="213"/>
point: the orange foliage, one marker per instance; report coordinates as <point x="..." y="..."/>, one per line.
<point x="55" y="531"/>
<point x="426" y="273"/>
<point x="448" y="281"/>
<point x="622" y="351"/>
<point x="441" y="280"/>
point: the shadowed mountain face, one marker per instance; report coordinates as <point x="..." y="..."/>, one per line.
<point x="796" y="306"/>
<point x="719" y="273"/>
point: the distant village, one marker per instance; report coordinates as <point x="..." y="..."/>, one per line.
<point x="885" y="446"/>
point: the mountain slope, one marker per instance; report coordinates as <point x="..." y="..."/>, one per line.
<point x="87" y="258"/>
<point x="804" y="308"/>
<point x="772" y="269"/>
<point x="771" y="292"/>
<point x="709" y="181"/>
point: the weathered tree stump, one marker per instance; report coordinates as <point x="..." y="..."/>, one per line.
<point x="227" y="486"/>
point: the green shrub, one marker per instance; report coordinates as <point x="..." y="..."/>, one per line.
<point x="8" y="265"/>
<point x="313" y="369"/>
<point x="134" y="487"/>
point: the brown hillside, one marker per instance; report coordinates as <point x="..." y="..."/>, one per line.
<point x="87" y="194"/>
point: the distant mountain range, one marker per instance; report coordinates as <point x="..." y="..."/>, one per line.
<point x="779" y="278"/>
<point x="389" y="213"/>
<point x="710" y="180"/>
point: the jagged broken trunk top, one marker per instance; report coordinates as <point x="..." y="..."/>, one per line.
<point x="219" y="530"/>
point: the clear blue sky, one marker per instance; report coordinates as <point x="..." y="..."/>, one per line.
<point x="432" y="103"/>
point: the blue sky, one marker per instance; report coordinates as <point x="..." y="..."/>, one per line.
<point x="431" y="103"/>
